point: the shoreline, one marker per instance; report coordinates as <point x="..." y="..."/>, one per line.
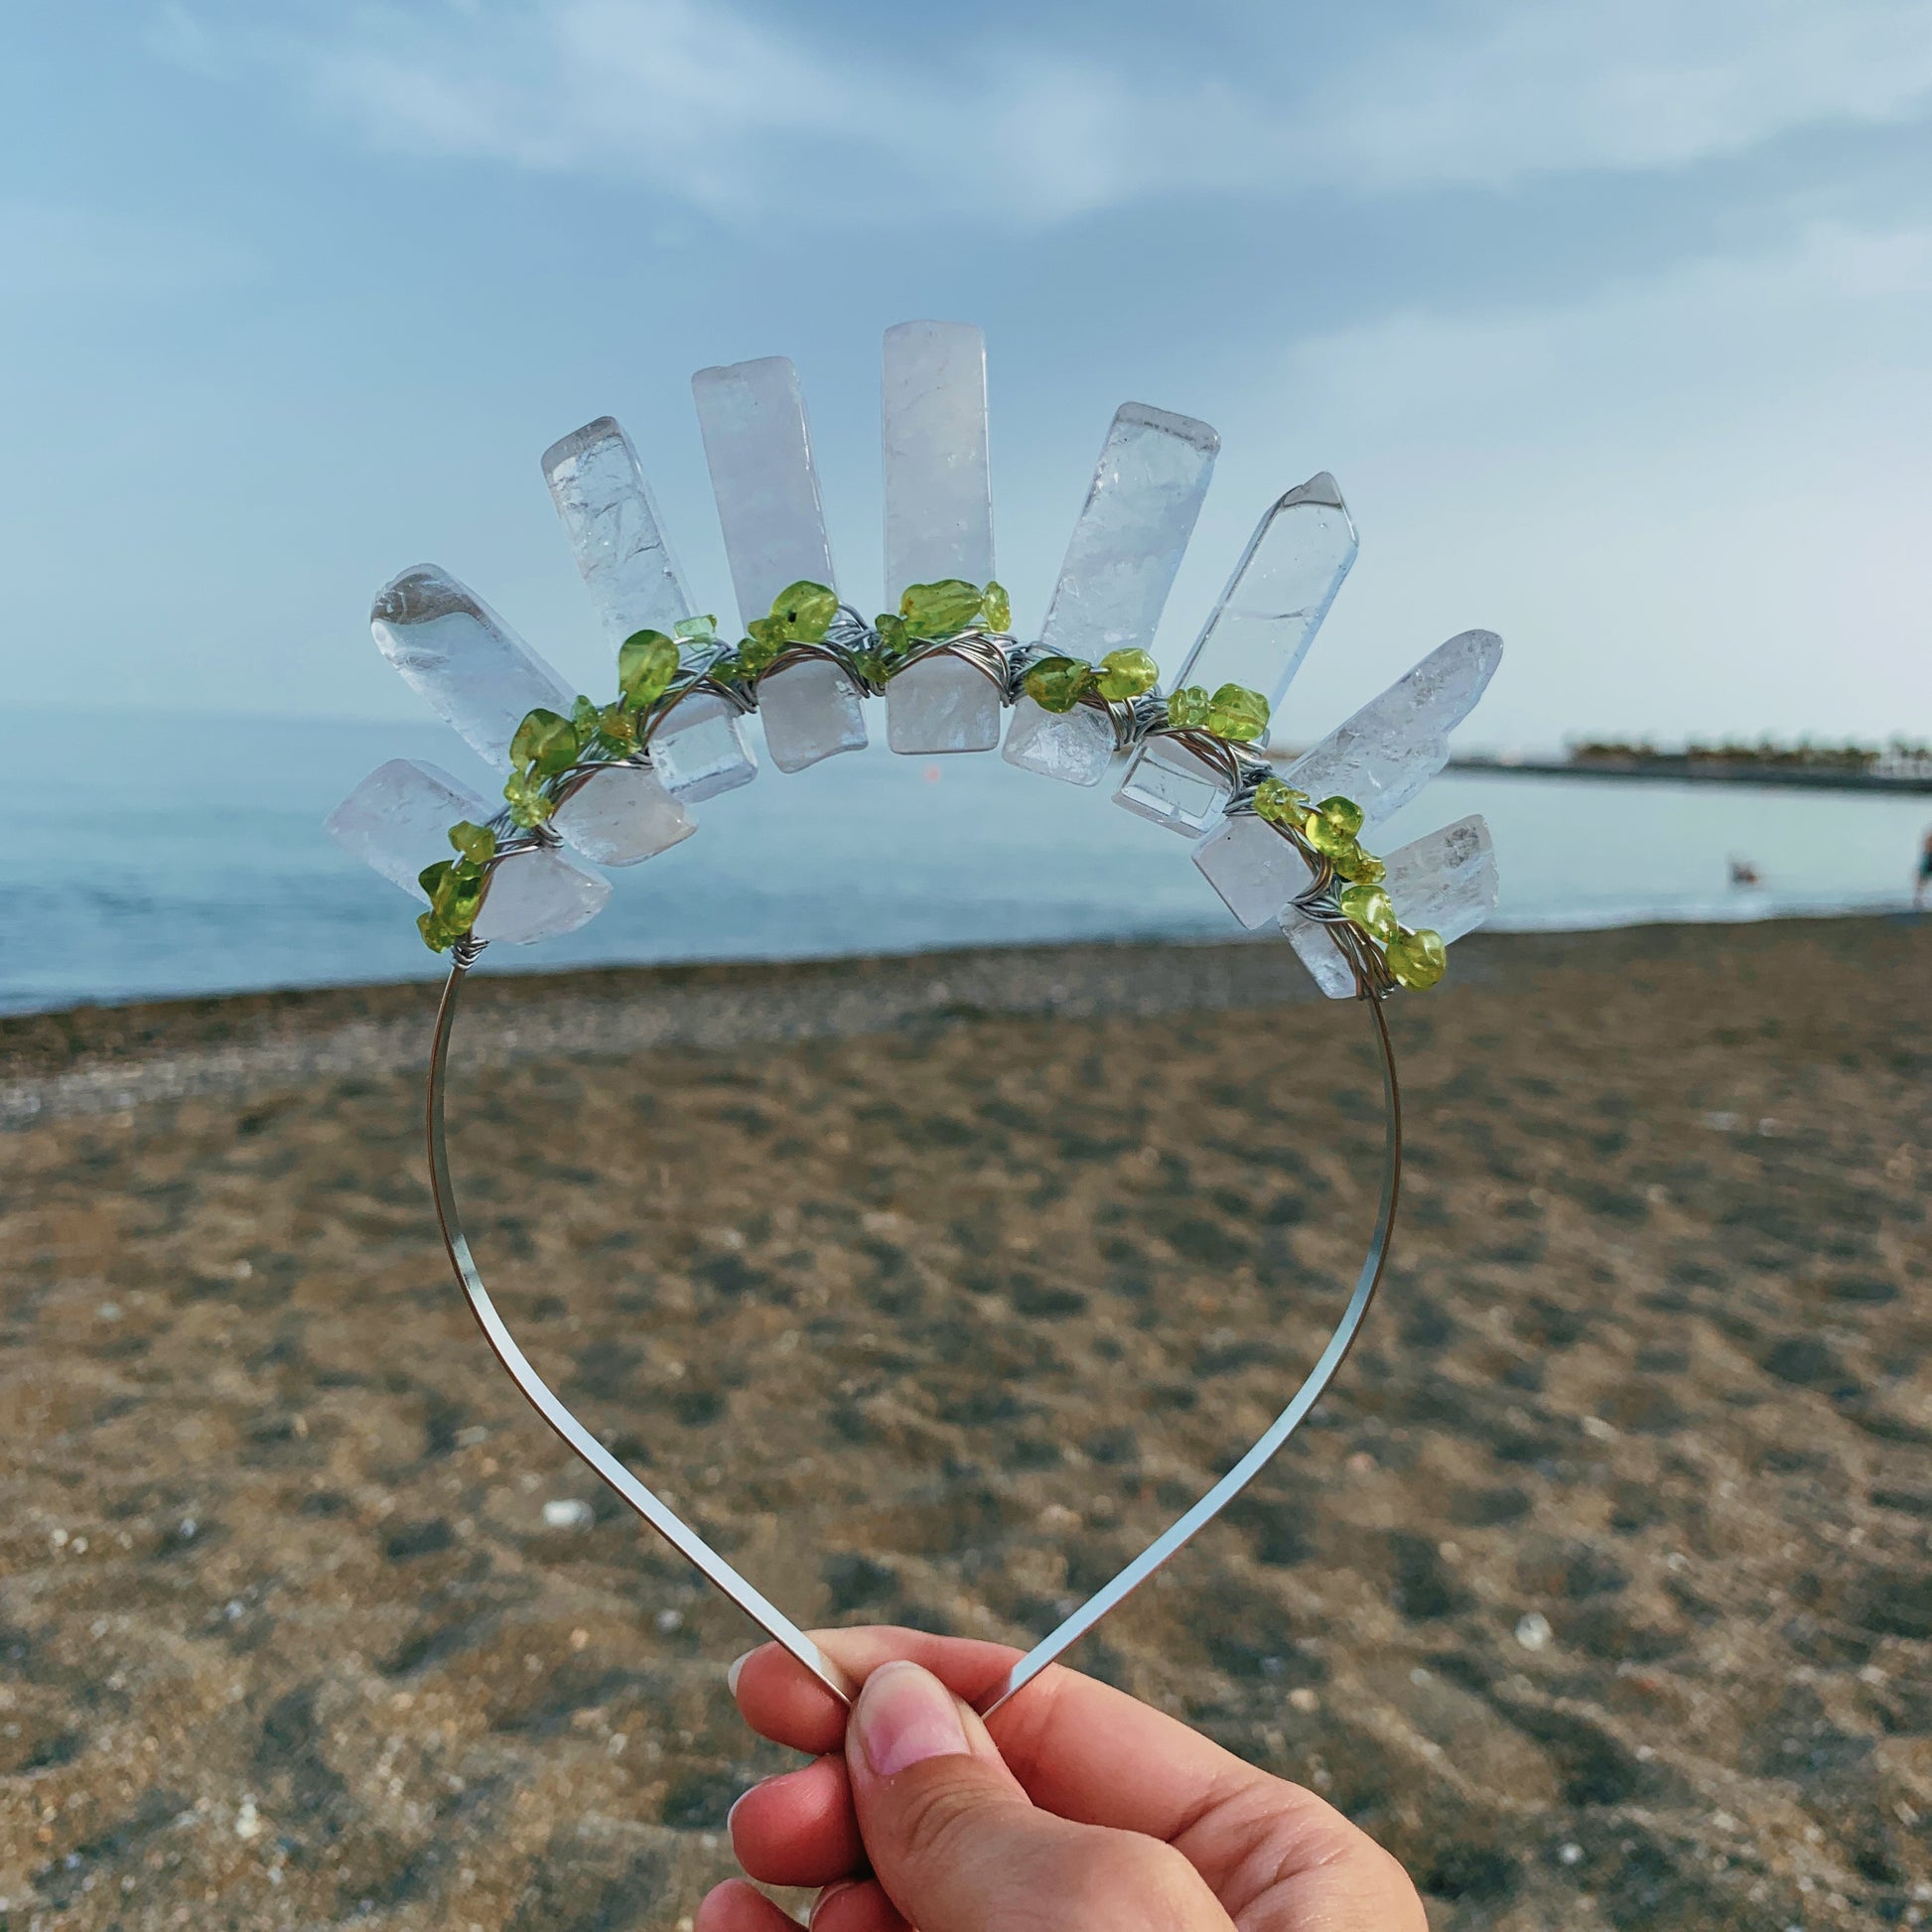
<point x="108" y="1058"/>
<point x="1597" y="1588"/>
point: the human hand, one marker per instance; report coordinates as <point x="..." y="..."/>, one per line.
<point x="1077" y="1809"/>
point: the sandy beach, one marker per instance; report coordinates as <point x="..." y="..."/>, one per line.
<point x="1600" y="1589"/>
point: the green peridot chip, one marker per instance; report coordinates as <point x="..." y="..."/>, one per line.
<point x="1371" y="908"/>
<point x="1187" y="708"/>
<point x="545" y="742"/>
<point x="804" y="610"/>
<point x="694" y="630"/>
<point x="1418" y="959"/>
<point x="647" y="661"/>
<point x="529" y="803"/>
<point x="1342" y="813"/>
<point x="1238" y="714"/>
<point x="941" y="610"/>
<point x="1125" y="674"/>
<point x="476" y="843"/>
<point x="1278" y="803"/>
<point x="893" y="636"/>
<point x="996" y="607"/>
<point x="1057" y="683"/>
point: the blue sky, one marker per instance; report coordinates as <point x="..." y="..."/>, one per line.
<point x="1613" y="321"/>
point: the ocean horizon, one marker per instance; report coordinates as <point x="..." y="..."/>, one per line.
<point x="140" y="870"/>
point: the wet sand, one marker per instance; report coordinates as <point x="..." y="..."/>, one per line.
<point x="1600" y="1589"/>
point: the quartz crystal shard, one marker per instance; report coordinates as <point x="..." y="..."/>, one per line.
<point x="397" y="821"/>
<point x="613" y="527"/>
<point x="540" y="894"/>
<point x="1119" y="565"/>
<point x="456" y="653"/>
<point x="612" y="523"/>
<point x="1256" y="636"/>
<point x="811" y="710"/>
<point x="1131" y="534"/>
<point x="624" y="815"/>
<point x="944" y="705"/>
<point x="1384" y="754"/>
<point x="1381" y="757"/>
<point x="758" y="448"/>
<point x="1445" y="880"/>
<point x="481" y="679"/>
<point x="1254" y="869"/>
<point x="700" y="748"/>
<point x="938" y="488"/>
<point x="1076" y="747"/>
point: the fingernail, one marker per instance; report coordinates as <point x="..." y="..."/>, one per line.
<point x="731" y="1675"/>
<point x="826" y="1898"/>
<point x="906" y="1716"/>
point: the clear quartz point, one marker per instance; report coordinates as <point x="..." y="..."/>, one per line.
<point x="700" y="748"/>
<point x="611" y="522"/>
<point x="457" y="655"/>
<point x="1076" y="747"/>
<point x="811" y="710"/>
<point x="943" y="705"/>
<point x="397" y="822"/>
<point x="1390" y="749"/>
<point x="624" y="815"/>
<point x="759" y="454"/>
<point x="1257" y="637"/>
<point x="481" y="679"/>
<point x="1253" y="867"/>
<point x="1446" y="881"/>
<point x="540" y="894"/>
<point x="1381" y="759"/>
<point x="938" y="486"/>
<point x="1120" y="564"/>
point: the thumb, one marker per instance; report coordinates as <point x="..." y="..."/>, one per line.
<point x="959" y="1847"/>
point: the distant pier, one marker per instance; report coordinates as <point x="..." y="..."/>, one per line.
<point x="1701" y="771"/>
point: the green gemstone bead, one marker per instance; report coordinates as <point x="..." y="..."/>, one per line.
<point x="941" y="610"/>
<point x="435" y="936"/>
<point x="893" y="636"/>
<point x="1237" y="713"/>
<point x="1362" y="867"/>
<point x="582" y="715"/>
<point x="431" y="878"/>
<point x="1342" y="813"/>
<point x="476" y="843"/>
<point x="1371" y="908"/>
<point x="1331" y="841"/>
<point x="1418" y="959"/>
<point x="804" y="611"/>
<point x="996" y="607"/>
<point x="618" y="727"/>
<point x="693" y="631"/>
<point x="545" y="742"/>
<point x="529" y="803"/>
<point x="647" y="661"/>
<point x="1278" y="803"/>
<point x="1187" y="708"/>
<point x="1056" y="683"/>
<point x="1126" y="674"/>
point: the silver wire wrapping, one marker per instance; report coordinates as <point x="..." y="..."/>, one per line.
<point x="713" y="1566"/>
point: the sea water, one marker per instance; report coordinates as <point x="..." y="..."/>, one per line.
<point x="151" y="856"/>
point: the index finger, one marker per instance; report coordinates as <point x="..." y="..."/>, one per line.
<point x="1081" y="1748"/>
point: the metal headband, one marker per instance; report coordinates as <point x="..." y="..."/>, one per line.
<point x="682" y="1538"/>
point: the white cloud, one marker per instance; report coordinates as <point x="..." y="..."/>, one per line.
<point x="732" y="112"/>
<point x="1692" y="502"/>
